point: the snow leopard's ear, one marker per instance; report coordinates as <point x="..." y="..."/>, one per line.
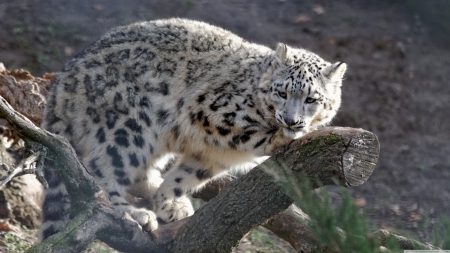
<point x="335" y="72"/>
<point x="281" y="53"/>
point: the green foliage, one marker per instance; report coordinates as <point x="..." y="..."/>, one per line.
<point x="19" y="28"/>
<point x="40" y="59"/>
<point x="15" y="243"/>
<point x="52" y="28"/>
<point x="422" y="168"/>
<point x="146" y="15"/>
<point x="441" y="234"/>
<point x="187" y="4"/>
<point x="342" y="230"/>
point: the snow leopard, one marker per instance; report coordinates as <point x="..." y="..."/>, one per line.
<point x="157" y="109"/>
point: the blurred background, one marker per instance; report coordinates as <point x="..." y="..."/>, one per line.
<point x="398" y="56"/>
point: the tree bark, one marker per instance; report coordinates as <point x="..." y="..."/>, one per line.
<point x="291" y="226"/>
<point x="242" y="206"/>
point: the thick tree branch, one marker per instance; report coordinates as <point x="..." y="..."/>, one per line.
<point x="346" y="154"/>
<point x="290" y="225"/>
<point x="220" y="225"/>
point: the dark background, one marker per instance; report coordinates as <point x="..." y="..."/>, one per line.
<point x="398" y="56"/>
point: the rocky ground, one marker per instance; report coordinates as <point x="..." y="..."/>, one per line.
<point x="398" y="58"/>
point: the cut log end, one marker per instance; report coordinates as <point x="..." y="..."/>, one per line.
<point x="345" y="154"/>
<point x="360" y="158"/>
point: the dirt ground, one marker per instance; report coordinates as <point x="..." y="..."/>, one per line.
<point x="398" y="56"/>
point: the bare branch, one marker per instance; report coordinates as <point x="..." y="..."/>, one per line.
<point x="405" y="243"/>
<point x="23" y="168"/>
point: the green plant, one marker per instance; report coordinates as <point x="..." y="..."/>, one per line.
<point x="40" y="59"/>
<point x="344" y="229"/>
<point x="18" y="28"/>
<point x="53" y="50"/>
<point x="23" y="43"/>
<point x="146" y="15"/>
<point x="422" y="168"/>
<point x="187" y="4"/>
<point x="52" y="28"/>
<point x="441" y="234"/>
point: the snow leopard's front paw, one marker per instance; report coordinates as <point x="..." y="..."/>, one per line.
<point x="146" y="218"/>
<point x="174" y="209"/>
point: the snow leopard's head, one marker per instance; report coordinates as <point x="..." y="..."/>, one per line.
<point x="301" y="91"/>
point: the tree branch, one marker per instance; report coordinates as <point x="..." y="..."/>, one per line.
<point x="346" y="154"/>
<point x="290" y="225"/>
<point x="24" y="167"/>
<point x="405" y="243"/>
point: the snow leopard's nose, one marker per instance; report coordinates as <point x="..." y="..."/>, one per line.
<point x="290" y="122"/>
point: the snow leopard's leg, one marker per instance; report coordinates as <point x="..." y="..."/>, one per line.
<point x="117" y="170"/>
<point x="170" y="199"/>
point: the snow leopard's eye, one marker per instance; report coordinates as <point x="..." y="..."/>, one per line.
<point x="310" y="100"/>
<point x="282" y="94"/>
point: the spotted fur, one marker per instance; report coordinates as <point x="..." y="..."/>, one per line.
<point x="156" y="109"/>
